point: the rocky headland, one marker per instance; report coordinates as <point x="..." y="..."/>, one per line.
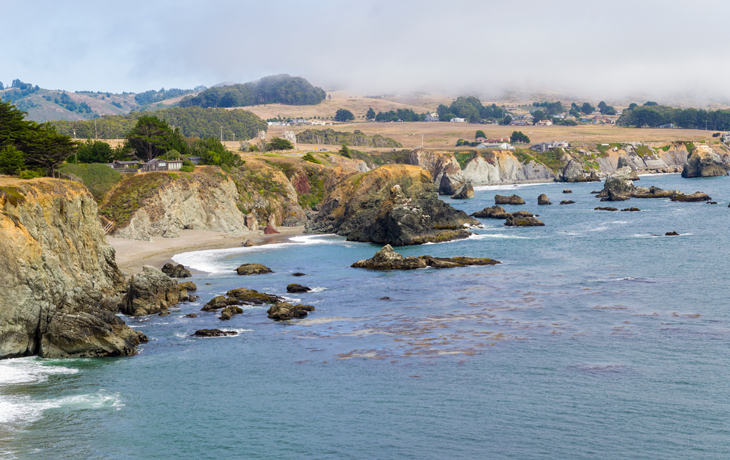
<point x="393" y="204"/>
<point x="60" y="280"/>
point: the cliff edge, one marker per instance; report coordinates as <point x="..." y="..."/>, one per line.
<point x="56" y="270"/>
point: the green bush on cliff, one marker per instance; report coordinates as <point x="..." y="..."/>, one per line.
<point x="310" y="158"/>
<point x="98" y="178"/>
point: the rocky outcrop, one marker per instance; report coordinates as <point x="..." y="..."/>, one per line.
<point x="240" y="296"/>
<point x="464" y="192"/>
<point x="394" y="204"/>
<point x="388" y="259"/>
<point x="704" y="162"/>
<point x="543" y="200"/>
<point x="692" y="197"/>
<point x="653" y="192"/>
<point x="623" y="162"/>
<point x="494" y="212"/>
<point x="283" y="311"/>
<point x="228" y="312"/>
<point x="443" y="167"/>
<point x="57" y="272"/>
<point x="567" y="202"/>
<point x="449" y="185"/>
<point x="512" y="199"/>
<point x="150" y="292"/>
<point x="253" y="269"/>
<point x="618" y="185"/>
<point x="176" y="270"/>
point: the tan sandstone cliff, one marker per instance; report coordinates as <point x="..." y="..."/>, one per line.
<point x="56" y="269"/>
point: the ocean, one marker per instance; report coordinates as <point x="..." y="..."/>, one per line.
<point x="597" y="337"/>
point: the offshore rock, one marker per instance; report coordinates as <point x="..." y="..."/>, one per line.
<point x="176" y="270"/>
<point x="704" y="162"/>
<point x="623" y="162"/>
<point x="449" y="185"/>
<point x="393" y="204"/>
<point x="610" y="195"/>
<point x="543" y="200"/>
<point x="697" y="196"/>
<point x="57" y="272"/>
<point x="567" y="202"/>
<point x="653" y="192"/>
<point x="240" y="296"/>
<point x="464" y="192"/>
<point x="608" y="208"/>
<point x="520" y="221"/>
<point x="512" y="199"/>
<point x="212" y="333"/>
<point x="150" y="292"/>
<point x="253" y="269"/>
<point x="620" y="183"/>
<point x="494" y="212"/>
<point x="388" y="259"/>
<point x="297" y="288"/>
<point x="284" y="311"/>
<point x="228" y="312"/>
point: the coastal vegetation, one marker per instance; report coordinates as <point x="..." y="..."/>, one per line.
<point x="356" y="138"/>
<point x="652" y="115"/>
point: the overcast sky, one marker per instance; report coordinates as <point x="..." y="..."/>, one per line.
<point x="604" y="49"/>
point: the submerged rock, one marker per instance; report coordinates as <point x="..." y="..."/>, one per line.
<point x="298" y="274"/>
<point x="253" y="269"/>
<point x="176" y="270"/>
<point x="512" y="199"/>
<point x="283" y="311"/>
<point x="297" y="288"/>
<point x="388" y="259"/>
<point x="631" y="209"/>
<point x="704" y="162"/>
<point x="543" y="200"/>
<point x="240" y="296"/>
<point x="567" y="202"/>
<point x="190" y="315"/>
<point x="212" y="333"/>
<point x="464" y="192"/>
<point x="608" y="208"/>
<point x="671" y="234"/>
<point x="567" y="191"/>
<point x="150" y="292"/>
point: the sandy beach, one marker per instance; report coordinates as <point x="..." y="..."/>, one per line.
<point x="132" y="255"/>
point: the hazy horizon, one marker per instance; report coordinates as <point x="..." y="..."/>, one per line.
<point x="667" y="51"/>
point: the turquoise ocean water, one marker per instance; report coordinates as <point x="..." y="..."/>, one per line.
<point x="597" y="337"/>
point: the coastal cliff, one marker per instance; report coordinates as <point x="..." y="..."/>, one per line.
<point x="56" y="270"/>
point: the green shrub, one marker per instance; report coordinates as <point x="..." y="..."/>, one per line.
<point x="30" y="174"/>
<point x="188" y="169"/>
<point x="97" y="177"/>
<point x="310" y="158"/>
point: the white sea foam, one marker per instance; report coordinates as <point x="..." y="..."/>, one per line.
<point x="318" y="289"/>
<point x="507" y="186"/>
<point x="28" y="370"/>
<point x="212" y="260"/>
<point x="24" y="409"/>
<point x="484" y="236"/>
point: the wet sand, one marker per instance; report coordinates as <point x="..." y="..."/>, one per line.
<point x="132" y="255"/>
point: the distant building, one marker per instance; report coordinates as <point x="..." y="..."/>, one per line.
<point x="520" y="123"/>
<point x="497" y="146"/>
<point x="195" y="160"/>
<point x="545" y="146"/>
<point x="544" y="123"/>
<point x="432" y="117"/>
<point x="161" y="165"/>
<point x="458" y="120"/>
<point x="125" y="165"/>
<point x="667" y="126"/>
<point x="726" y="137"/>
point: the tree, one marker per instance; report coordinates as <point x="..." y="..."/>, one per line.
<point x="480" y="133"/>
<point x="519" y="136"/>
<point x="278" y="143"/>
<point x="538" y="115"/>
<point x="149" y="138"/>
<point x="345" y="152"/>
<point x="506" y="120"/>
<point x="344" y="115"/>
<point x="587" y="108"/>
<point x="1" y="86"/>
<point x="370" y="114"/>
<point x="12" y="160"/>
<point x="632" y="105"/>
<point x="95" y="152"/>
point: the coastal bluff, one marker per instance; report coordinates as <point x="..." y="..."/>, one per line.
<point x="57" y="272"/>
<point x="393" y="204"/>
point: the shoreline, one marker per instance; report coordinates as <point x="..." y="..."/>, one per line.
<point x="132" y="255"/>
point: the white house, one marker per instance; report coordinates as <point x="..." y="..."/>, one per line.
<point x="432" y="117"/>
<point x="458" y="120"/>
<point x="499" y="146"/>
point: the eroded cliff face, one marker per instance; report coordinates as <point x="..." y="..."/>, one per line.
<point x="56" y="270"/>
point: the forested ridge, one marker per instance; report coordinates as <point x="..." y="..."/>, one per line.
<point x="191" y="121"/>
<point x="282" y="89"/>
<point x="652" y="115"/>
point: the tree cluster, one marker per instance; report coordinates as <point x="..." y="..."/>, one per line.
<point x="190" y="121"/>
<point x="471" y="109"/>
<point x="551" y="108"/>
<point x="152" y="96"/>
<point x="25" y="143"/>
<point x="519" y="136"/>
<point x="356" y="138"/>
<point x="343" y="115"/>
<point x="400" y="115"/>
<point x="652" y="115"/>
<point x="282" y="89"/>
